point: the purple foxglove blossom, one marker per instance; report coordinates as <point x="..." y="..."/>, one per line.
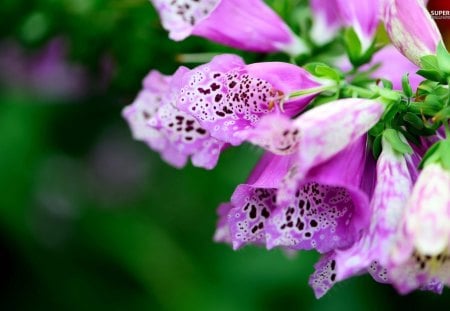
<point x="248" y="25"/>
<point x="392" y="66"/>
<point x="426" y="222"/>
<point x="226" y="96"/>
<point x="326" y="20"/>
<point x="328" y="209"/>
<point x="392" y="191"/>
<point x="411" y="28"/>
<point x="363" y="16"/>
<point x="330" y="15"/>
<point x="252" y="203"/>
<point x="176" y="135"/>
<point x="318" y="134"/>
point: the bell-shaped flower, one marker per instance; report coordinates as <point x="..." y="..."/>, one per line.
<point x="426" y="222"/>
<point x="318" y="134"/>
<point x="243" y="220"/>
<point x="327" y="211"/>
<point x="326" y="20"/>
<point x="227" y="96"/>
<point x="330" y="15"/>
<point x="176" y="135"/>
<point x="387" y="249"/>
<point x="411" y="29"/>
<point x="249" y="25"/>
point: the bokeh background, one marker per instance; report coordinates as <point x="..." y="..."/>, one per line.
<point x="92" y="220"/>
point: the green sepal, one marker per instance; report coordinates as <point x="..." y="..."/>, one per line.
<point x="413" y="120"/>
<point x="393" y="137"/>
<point x="322" y="70"/>
<point x="406" y="85"/>
<point x="443" y="58"/>
<point x="376" y="146"/>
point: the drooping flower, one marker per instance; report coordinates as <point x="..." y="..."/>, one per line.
<point x="330" y="15"/>
<point x="226" y="96"/>
<point x="243" y="220"/>
<point x="393" y="188"/>
<point x="426" y="222"/>
<point x="387" y="249"/>
<point x="248" y="25"/>
<point x="327" y="211"/>
<point x="153" y="118"/>
<point x="326" y="20"/>
<point x="411" y="29"/>
<point x="317" y="206"/>
<point x="318" y="134"/>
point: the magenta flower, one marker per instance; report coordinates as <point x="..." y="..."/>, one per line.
<point x="328" y="209"/>
<point x="249" y="25"/>
<point x="176" y="135"/>
<point x="318" y="134"/>
<point x="226" y="96"/>
<point x="402" y="246"/>
<point x="411" y="28"/>
<point x="243" y="220"/>
<point x="330" y="15"/>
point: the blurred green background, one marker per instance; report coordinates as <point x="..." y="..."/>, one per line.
<point x="89" y="218"/>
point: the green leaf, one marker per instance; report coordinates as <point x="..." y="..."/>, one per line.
<point x="429" y="62"/>
<point x="443" y="58"/>
<point x="433" y="75"/>
<point x="406" y="86"/>
<point x="393" y="137"/>
<point x="324" y="71"/>
<point x="430" y="155"/>
<point x="353" y="46"/>
<point x="377" y="129"/>
<point x="386" y="84"/>
<point x="376" y="146"/>
<point x="414" y="120"/>
<point x="444" y="151"/>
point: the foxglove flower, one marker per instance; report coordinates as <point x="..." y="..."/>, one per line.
<point x="327" y="211"/>
<point x="426" y="223"/>
<point x="227" y="97"/>
<point x="326" y="20"/>
<point x="176" y="135"/>
<point x="243" y="220"/>
<point x="411" y="28"/>
<point x="330" y="15"/>
<point x="248" y="25"/>
<point x="386" y="250"/>
<point x="318" y="134"/>
<point x="363" y="16"/>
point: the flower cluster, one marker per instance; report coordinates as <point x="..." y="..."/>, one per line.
<point x="357" y="147"/>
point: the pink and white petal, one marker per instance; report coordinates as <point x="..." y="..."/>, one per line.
<point x="222" y="233"/>
<point x="185" y="134"/>
<point x="247" y="219"/>
<point x="392" y="192"/>
<point x="327" y="209"/>
<point x="328" y="129"/>
<point x="275" y="133"/>
<point x="180" y="17"/>
<point x="324" y="276"/>
<point x="224" y="98"/>
<point x="249" y="25"/>
<point x="427" y="220"/>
